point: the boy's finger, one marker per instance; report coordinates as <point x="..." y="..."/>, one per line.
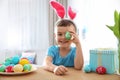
<point x="62" y="70"/>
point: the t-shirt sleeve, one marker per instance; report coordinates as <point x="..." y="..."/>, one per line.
<point x="74" y="51"/>
<point x="50" y="51"/>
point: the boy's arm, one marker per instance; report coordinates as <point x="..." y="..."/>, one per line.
<point x="78" y="61"/>
<point x="58" y="70"/>
<point x="48" y="64"/>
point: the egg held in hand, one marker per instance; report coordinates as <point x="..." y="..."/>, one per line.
<point x="67" y="35"/>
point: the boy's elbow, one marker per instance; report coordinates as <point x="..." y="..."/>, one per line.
<point x="78" y="68"/>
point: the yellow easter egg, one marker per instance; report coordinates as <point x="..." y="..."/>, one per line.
<point x="18" y="68"/>
<point x="24" y="61"/>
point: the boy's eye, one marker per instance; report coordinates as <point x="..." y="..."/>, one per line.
<point x="59" y="34"/>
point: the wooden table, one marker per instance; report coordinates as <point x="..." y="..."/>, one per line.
<point x="72" y="74"/>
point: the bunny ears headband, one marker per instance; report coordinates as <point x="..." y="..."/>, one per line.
<point x="60" y="10"/>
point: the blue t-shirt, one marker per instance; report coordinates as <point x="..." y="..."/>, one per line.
<point x="67" y="61"/>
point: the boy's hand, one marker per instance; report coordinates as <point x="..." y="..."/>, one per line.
<point x="75" y="38"/>
<point x="60" y="70"/>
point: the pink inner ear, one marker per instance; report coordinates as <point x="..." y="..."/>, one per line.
<point x="71" y="14"/>
<point x="59" y="8"/>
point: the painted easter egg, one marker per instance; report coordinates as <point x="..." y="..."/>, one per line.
<point x="101" y="70"/>
<point x="87" y="69"/>
<point x="27" y="67"/>
<point x="18" y="68"/>
<point x="24" y="61"/>
<point x="2" y="68"/>
<point x="67" y="35"/>
<point x="9" y="69"/>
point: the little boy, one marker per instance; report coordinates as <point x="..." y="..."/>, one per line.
<point x="63" y="55"/>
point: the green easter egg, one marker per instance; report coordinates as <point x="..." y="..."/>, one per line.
<point x="8" y="60"/>
<point x="67" y="35"/>
<point x="2" y="68"/>
<point x="6" y="63"/>
<point x="26" y="67"/>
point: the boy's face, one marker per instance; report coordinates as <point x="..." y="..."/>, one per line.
<point x="60" y="35"/>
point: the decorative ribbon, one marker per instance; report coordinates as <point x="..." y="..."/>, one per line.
<point x="99" y="58"/>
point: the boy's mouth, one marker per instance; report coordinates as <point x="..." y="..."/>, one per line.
<point x="63" y="42"/>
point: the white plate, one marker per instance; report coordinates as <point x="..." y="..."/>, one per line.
<point x="18" y="73"/>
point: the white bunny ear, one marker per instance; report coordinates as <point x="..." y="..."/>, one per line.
<point x="71" y="13"/>
<point x="59" y="8"/>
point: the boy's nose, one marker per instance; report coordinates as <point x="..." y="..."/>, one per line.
<point x="63" y="36"/>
